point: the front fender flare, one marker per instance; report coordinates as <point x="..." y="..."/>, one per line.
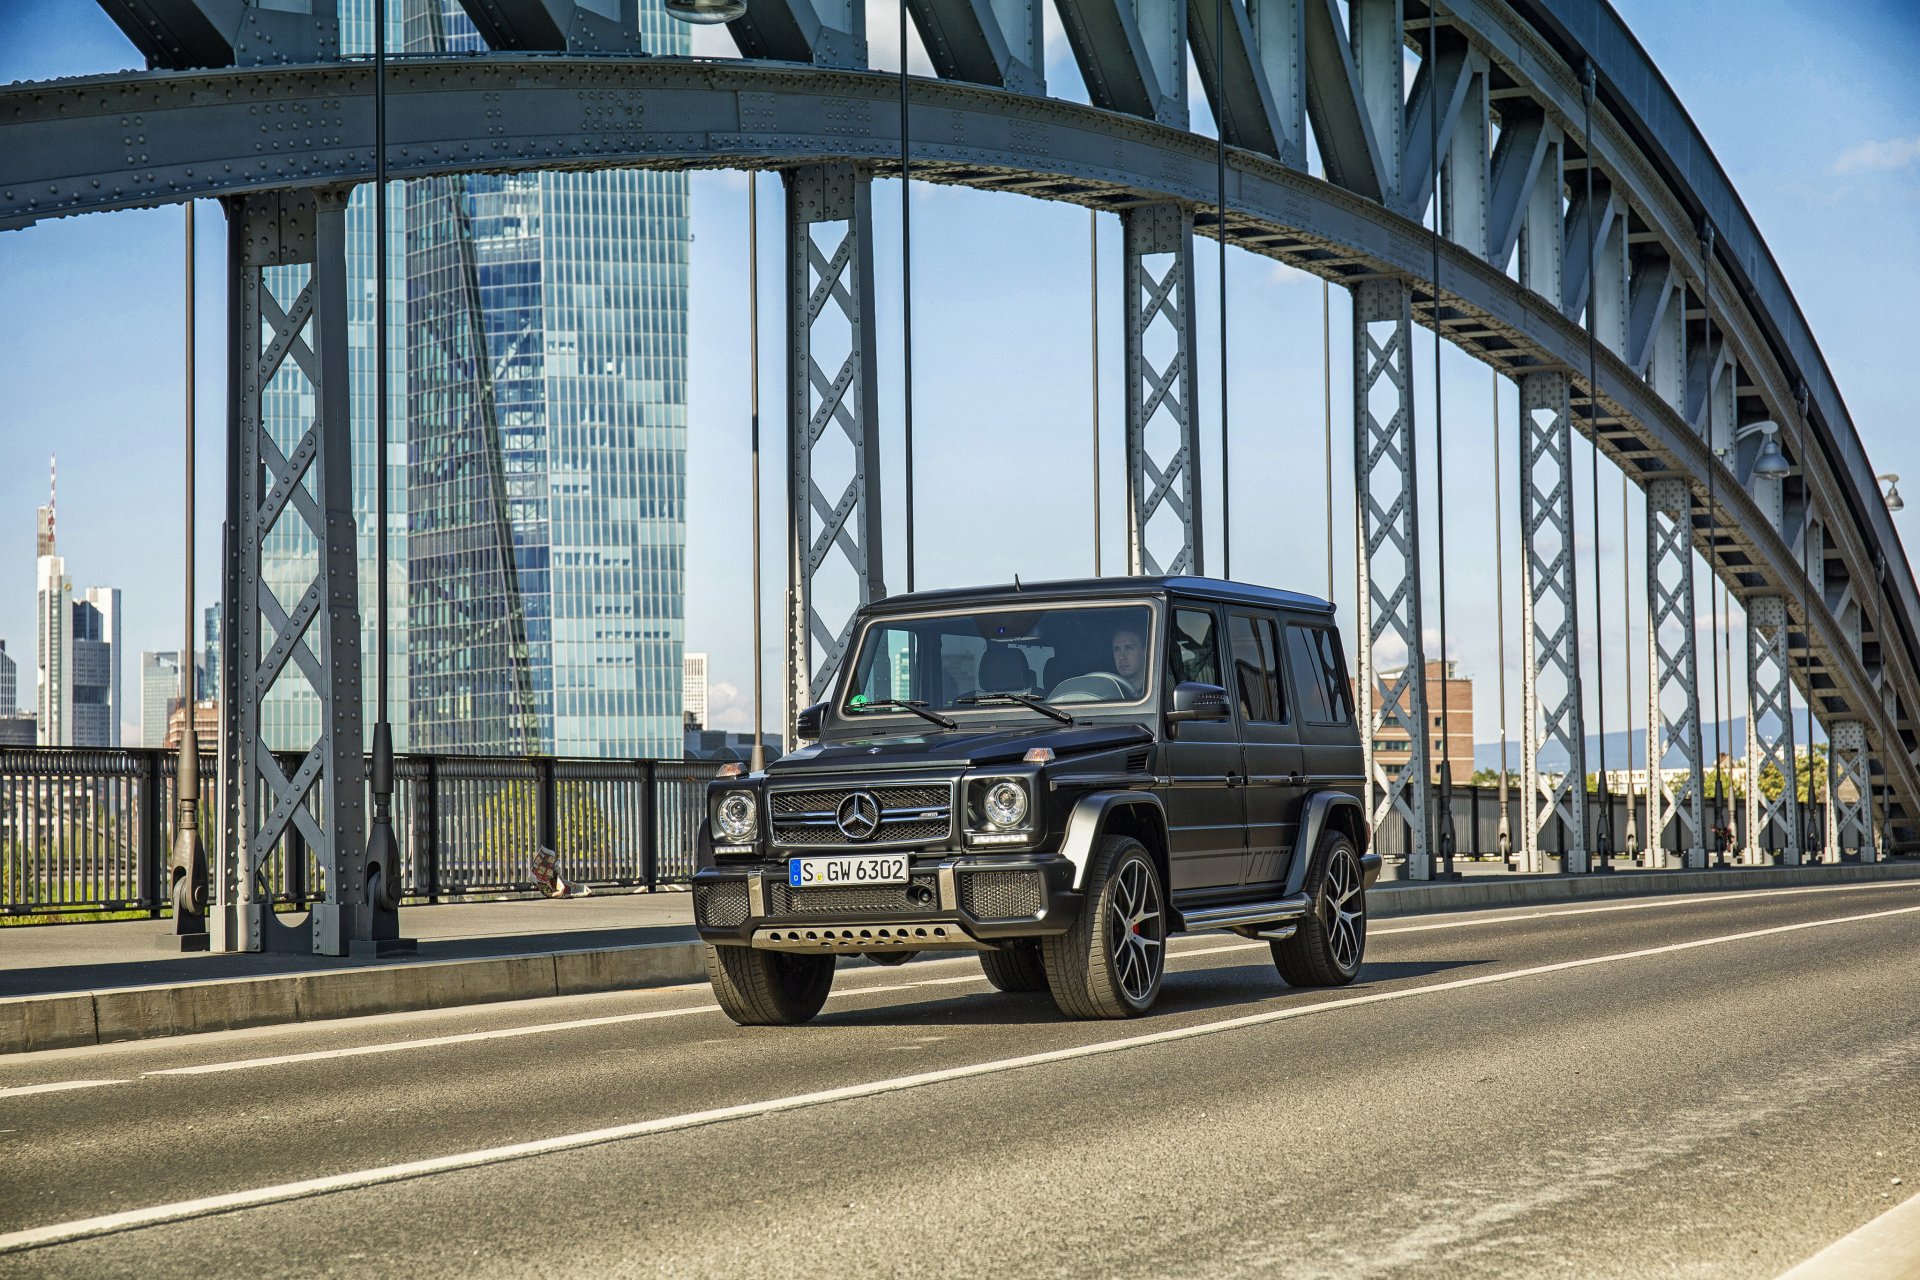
<point x="1089" y="817"/>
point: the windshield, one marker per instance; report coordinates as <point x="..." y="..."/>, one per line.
<point x="1066" y="656"/>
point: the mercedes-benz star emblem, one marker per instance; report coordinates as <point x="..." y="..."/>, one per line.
<point x="858" y="816"/>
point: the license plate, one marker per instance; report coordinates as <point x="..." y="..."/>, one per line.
<point x="877" y="868"/>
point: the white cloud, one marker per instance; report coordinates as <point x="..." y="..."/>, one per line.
<point x="728" y="709"/>
<point x="1879" y="156"/>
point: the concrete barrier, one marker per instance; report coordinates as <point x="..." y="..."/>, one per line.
<point x="32" y="1023"/>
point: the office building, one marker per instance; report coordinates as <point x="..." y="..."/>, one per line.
<point x="53" y="691"/>
<point x="9" y="682"/>
<point x="693" y="682"/>
<point x="1391" y="744"/>
<point x="159" y="694"/>
<point x="207" y="683"/>
<point x="94" y="648"/>
<point x="547" y="479"/>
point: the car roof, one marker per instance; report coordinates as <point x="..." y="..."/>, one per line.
<point x="1106" y="588"/>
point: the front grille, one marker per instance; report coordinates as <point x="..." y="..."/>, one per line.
<point x="722" y="905"/>
<point x="917" y="813"/>
<point x="1001" y="895"/>
<point x="865" y="899"/>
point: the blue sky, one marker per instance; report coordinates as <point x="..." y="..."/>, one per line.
<point x="1808" y="106"/>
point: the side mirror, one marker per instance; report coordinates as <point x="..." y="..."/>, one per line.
<point x="1195" y="701"/>
<point x="807" y="723"/>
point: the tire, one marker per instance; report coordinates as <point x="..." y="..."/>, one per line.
<point x="890" y="959"/>
<point x="768" y="988"/>
<point x="1331" y="942"/>
<point x="1111" y="962"/>
<point x="1017" y="969"/>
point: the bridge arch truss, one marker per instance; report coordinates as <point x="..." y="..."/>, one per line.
<point x="1699" y="340"/>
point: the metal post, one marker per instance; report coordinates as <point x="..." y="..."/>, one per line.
<point x="1770" y="727"/>
<point x="1500" y="621"/>
<point x="383" y="851"/>
<point x="1093" y="276"/>
<point x="832" y="520"/>
<point x="187" y="867"/>
<point x="1550" y="621"/>
<point x="1673" y="699"/>
<point x="310" y="488"/>
<point x="758" y="758"/>
<point x="1163" y="494"/>
<point x="650" y="823"/>
<point x="1388" y="530"/>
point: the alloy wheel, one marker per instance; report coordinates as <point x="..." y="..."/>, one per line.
<point x="1136" y="929"/>
<point x="1343" y="909"/>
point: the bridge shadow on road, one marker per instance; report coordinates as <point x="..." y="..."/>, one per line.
<point x="1247" y="988"/>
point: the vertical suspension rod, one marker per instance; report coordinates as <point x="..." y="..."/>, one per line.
<point x="906" y="293"/>
<point x="1603" y="819"/>
<point x="1448" y="836"/>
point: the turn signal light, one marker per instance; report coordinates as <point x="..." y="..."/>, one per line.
<point x="733" y="770"/>
<point x="1039" y="755"/>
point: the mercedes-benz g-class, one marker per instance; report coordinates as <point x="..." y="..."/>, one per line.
<point x="1058" y="777"/>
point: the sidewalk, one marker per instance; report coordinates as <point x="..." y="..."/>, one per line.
<point x="67" y="985"/>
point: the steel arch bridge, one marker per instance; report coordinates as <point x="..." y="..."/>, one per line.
<point x="1703" y="353"/>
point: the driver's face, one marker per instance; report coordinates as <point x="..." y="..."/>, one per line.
<point x="1128" y="655"/>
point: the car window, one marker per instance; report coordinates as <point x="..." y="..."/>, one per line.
<point x="1194" y="649"/>
<point x="1319" y="675"/>
<point x="1256" y="658"/>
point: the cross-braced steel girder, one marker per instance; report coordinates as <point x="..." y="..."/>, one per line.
<point x="1770" y="734"/>
<point x="1163" y="455"/>
<point x="297" y="492"/>
<point x="1673" y="705"/>
<point x="833" y="432"/>
<point x="1389" y="598"/>
<point x="1550" y="620"/>
<point x="1852" y="802"/>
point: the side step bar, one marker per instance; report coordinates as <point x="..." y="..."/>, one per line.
<point x="1242" y="915"/>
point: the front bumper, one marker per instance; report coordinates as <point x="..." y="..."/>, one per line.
<point x="953" y="903"/>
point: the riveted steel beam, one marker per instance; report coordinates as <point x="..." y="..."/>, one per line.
<point x="997" y="42"/>
<point x="1773" y="822"/>
<point x="1673" y="704"/>
<point x="1551" y="717"/>
<point x="287" y="330"/>
<point x="1852" y="790"/>
<point x="607" y="26"/>
<point x="1251" y="73"/>
<point x="1388" y="493"/>
<point x="1357" y="157"/>
<point x="178" y="34"/>
<point x="1163" y="446"/>
<point x="833" y="433"/>
<point x="1132" y="55"/>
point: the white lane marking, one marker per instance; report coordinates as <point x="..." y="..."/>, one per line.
<point x="60" y="1086"/>
<point x="500" y="1033"/>
<point x="1888" y="1248"/>
<point x="83" y="1228"/>
<point x="1183" y="953"/>
<point x="428" y="1042"/>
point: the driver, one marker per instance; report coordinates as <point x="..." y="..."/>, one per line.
<point x="1130" y="660"/>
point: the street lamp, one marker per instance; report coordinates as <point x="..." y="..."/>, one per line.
<point x="1771" y="461"/>
<point x="1892" y="493"/>
<point x="705" y="13"/>
<point x="710" y="13"/>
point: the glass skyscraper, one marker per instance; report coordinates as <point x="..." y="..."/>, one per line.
<point x="546" y="396"/>
<point x="537" y="407"/>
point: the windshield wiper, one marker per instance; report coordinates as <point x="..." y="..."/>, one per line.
<point x="918" y="708"/>
<point x="1024" y="699"/>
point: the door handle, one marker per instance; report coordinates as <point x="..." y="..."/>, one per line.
<point x="1234" y="779"/>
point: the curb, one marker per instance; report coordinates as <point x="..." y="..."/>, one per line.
<point x="69" y="1020"/>
<point x="32" y="1023"/>
<point x="1391" y="898"/>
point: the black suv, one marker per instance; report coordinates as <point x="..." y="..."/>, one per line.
<point x="1057" y="777"/>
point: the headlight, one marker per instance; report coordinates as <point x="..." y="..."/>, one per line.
<point x="736" y="816"/>
<point x="1006" y="804"/>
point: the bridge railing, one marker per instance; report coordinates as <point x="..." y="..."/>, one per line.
<point x="1476" y="820"/>
<point x="85" y="831"/>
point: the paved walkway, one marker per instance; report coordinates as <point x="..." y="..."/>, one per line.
<point x="43" y="959"/>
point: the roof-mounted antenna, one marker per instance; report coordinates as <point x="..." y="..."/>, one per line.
<point x="1016" y="582"/>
